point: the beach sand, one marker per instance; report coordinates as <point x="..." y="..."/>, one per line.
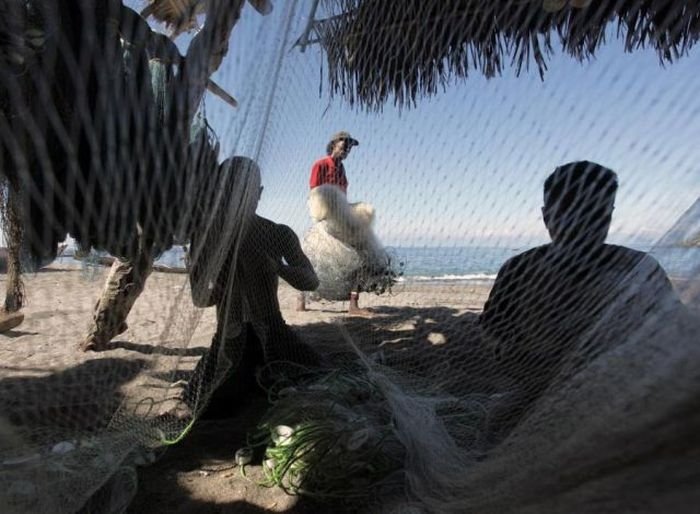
<point x="46" y="383"/>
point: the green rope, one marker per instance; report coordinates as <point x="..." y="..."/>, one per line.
<point x="183" y="434"/>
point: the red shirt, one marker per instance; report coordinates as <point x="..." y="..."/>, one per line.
<point x="328" y="171"/>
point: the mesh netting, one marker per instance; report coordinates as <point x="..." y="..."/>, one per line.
<point x="485" y="299"/>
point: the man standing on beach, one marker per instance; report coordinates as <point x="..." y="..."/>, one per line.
<point x="330" y="170"/>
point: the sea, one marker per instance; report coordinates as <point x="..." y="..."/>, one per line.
<point x="459" y="263"/>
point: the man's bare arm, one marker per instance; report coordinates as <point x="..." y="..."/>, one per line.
<point x="298" y="271"/>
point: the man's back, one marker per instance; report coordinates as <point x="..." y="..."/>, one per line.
<point x="547" y="301"/>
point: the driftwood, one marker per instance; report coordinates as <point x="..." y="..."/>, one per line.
<point x="10" y="320"/>
<point x="10" y="256"/>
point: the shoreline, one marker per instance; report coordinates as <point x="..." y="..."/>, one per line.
<point x="71" y="263"/>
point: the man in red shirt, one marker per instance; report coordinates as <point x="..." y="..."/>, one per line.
<point x="330" y="170"/>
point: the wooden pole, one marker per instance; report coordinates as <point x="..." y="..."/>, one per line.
<point x="14" y="295"/>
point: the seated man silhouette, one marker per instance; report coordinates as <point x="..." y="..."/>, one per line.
<point x="243" y="285"/>
<point x="563" y="303"/>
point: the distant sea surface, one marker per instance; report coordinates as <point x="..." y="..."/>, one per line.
<point x="457" y="263"/>
<point x="416" y="263"/>
<point x="482" y="263"/>
<point x="467" y="263"/>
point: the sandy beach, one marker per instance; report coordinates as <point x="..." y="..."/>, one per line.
<point x="55" y="392"/>
<point x="47" y="384"/>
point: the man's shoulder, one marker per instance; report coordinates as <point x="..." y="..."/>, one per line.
<point x="271" y="227"/>
<point x="285" y="230"/>
<point x="326" y="160"/>
<point x="624" y="251"/>
<point x="607" y="251"/>
<point x="623" y="256"/>
<point x="626" y="259"/>
<point x="537" y="251"/>
<point x="533" y="254"/>
<point x="264" y="222"/>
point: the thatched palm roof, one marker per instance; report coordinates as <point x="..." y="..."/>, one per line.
<point x="377" y="49"/>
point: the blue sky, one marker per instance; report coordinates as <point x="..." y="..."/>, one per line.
<point x="465" y="166"/>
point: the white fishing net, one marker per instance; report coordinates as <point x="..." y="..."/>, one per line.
<point x="506" y="364"/>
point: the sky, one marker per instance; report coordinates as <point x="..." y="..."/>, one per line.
<point x="466" y="166"/>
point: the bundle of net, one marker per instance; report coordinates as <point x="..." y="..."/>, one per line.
<point x="538" y="409"/>
<point x="101" y="140"/>
<point x="343" y="248"/>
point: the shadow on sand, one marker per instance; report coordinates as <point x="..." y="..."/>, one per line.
<point x="81" y="398"/>
<point x="161" y="349"/>
<point x="418" y="339"/>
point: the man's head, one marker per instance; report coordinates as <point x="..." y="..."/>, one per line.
<point x="579" y="198"/>
<point x="340" y="145"/>
<point x="241" y="182"/>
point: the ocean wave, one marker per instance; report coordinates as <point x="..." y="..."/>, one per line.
<point x="448" y="277"/>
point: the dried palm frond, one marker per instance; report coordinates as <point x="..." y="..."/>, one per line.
<point x="169" y="10"/>
<point x="178" y="15"/>
<point x="264" y="7"/>
<point x="181" y="15"/>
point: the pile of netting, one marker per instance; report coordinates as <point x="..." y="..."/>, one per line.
<point x="574" y="388"/>
<point x="484" y="429"/>
<point x="343" y="248"/>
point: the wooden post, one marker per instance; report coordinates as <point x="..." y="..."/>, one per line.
<point x="14" y="295"/>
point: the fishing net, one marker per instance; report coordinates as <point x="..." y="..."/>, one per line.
<point x="523" y="201"/>
<point x="344" y="251"/>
